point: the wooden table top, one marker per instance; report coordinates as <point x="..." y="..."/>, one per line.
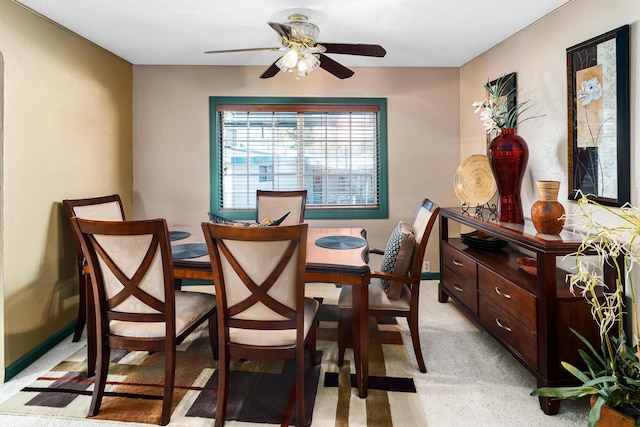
<point x="323" y="264"/>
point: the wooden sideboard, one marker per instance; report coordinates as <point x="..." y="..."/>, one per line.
<point x="529" y="314"/>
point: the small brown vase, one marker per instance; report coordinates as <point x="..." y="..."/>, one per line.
<point x="546" y="213"/>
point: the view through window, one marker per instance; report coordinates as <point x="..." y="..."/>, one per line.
<point x="336" y="151"/>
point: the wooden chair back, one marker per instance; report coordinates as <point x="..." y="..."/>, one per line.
<point x="259" y="275"/>
<point x="104" y="208"/>
<point x="136" y="306"/>
<point x="408" y="303"/>
<point x="132" y="275"/>
<point x="422" y="225"/>
<point x="274" y="204"/>
<point x="107" y="208"/>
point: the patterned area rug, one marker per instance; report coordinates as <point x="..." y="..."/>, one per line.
<point x="261" y="392"/>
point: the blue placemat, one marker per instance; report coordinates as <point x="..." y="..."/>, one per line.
<point x="189" y="250"/>
<point x="178" y="235"/>
<point x="340" y="242"/>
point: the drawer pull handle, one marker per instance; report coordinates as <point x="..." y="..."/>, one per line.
<point x="506" y="328"/>
<point x="502" y="294"/>
<point x="458" y="288"/>
<point x="457" y="263"/>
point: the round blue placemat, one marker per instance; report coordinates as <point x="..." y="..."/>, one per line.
<point x="178" y="235"/>
<point x="340" y="242"/>
<point x="189" y="250"/>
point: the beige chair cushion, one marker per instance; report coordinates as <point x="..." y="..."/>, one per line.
<point x="378" y="298"/>
<point x="266" y="338"/>
<point x="109" y="211"/>
<point x="397" y="258"/>
<point x="275" y="207"/>
<point x="190" y="306"/>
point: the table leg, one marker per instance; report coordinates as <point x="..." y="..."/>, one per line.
<point x="91" y="330"/>
<point x="361" y="337"/>
<point x="82" y="302"/>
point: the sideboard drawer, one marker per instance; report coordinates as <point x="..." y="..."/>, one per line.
<point x="459" y="263"/>
<point x="509" y="296"/>
<point x="460" y="289"/>
<point x="514" y="333"/>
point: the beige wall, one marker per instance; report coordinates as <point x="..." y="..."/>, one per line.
<point x="67" y="134"/>
<point x="538" y="56"/>
<point x="171" y="133"/>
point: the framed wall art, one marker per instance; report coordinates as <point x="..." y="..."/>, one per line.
<point x="510" y="86"/>
<point x="598" y="113"/>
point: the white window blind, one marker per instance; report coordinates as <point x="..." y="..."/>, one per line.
<point x="332" y="152"/>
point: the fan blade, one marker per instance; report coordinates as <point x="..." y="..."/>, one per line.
<point x="338" y="70"/>
<point x="283" y="31"/>
<point x="355" y="49"/>
<point x="271" y="71"/>
<point x="251" y="49"/>
<point x="286" y="32"/>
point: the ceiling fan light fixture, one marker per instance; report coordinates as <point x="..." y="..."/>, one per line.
<point x="283" y="68"/>
<point x="290" y="59"/>
<point x="307" y="64"/>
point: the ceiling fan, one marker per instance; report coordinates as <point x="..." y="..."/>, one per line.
<point x="299" y="38"/>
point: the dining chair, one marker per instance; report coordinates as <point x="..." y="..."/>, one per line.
<point x="136" y="305"/>
<point x="274" y="204"/>
<point x="107" y="208"/>
<point x="259" y="276"/>
<point x="394" y="290"/>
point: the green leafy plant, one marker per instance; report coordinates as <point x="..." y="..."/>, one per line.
<point x="612" y="373"/>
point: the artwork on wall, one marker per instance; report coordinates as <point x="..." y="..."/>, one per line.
<point x="510" y="87"/>
<point x="598" y="112"/>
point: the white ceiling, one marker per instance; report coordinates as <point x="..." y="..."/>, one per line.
<point x="415" y="33"/>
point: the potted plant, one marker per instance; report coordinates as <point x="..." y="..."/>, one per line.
<point x="612" y="373"/>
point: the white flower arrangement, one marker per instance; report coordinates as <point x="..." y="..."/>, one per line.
<point x="499" y="109"/>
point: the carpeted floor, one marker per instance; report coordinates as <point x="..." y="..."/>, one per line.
<point x="261" y="392"/>
<point x="471" y="379"/>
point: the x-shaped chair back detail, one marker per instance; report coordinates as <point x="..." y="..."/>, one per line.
<point x="260" y="279"/>
<point x="123" y="292"/>
<point x="132" y="265"/>
<point x="259" y="293"/>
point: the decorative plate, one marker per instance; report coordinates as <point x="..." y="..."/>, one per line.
<point x="189" y="250"/>
<point x="479" y="240"/>
<point x="340" y="242"/>
<point x="178" y="235"/>
<point x="474" y="182"/>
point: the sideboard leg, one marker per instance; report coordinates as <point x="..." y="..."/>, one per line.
<point x="442" y="297"/>
<point x="549" y="406"/>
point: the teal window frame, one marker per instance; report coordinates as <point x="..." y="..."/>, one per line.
<point x="325" y="213"/>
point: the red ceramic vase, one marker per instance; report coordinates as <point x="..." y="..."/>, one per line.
<point x="508" y="155"/>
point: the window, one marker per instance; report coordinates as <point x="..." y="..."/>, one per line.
<point x="266" y="173"/>
<point x="335" y="148"/>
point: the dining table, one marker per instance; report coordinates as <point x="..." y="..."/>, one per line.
<point x="334" y="255"/>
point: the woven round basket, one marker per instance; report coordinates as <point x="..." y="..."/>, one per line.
<point x="474" y="183"/>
